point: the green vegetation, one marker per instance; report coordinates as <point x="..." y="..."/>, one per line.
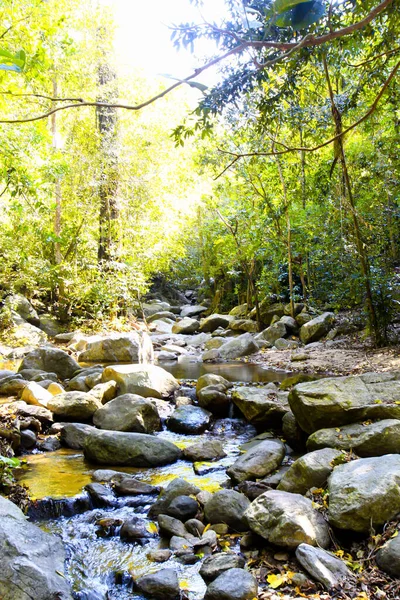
<point x="290" y="191"/>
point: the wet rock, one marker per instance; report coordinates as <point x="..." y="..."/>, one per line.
<point x="195" y="527"/>
<point x="365" y="493"/>
<point x="73" y="435"/>
<point x="337" y="401"/>
<point x="177" y="487"/>
<point x="35" y="394"/>
<point x="129" y="486"/>
<point x="272" y="333"/>
<point x="73" y="405"/>
<point x="211" y="323"/>
<point x="287" y="520"/>
<point x="128" y="412"/>
<point x="186" y="326"/>
<point x="129" y="449"/>
<point x="323" y="566"/>
<point x="205" y="450"/>
<point x="258" y="462"/>
<point x="233" y="584"/>
<point x="32" y="561"/>
<point x="171" y="527"/>
<point x="211" y="379"/>
<point x="243" y="345"/>
<point x="311" y="470"/>
<point x="228" y="506"/>
<point x="388" y="557"/>
<point x="189" y="419"/>
<point x="183" y="508"/>
<point x="373" y="439"/>
<point x="50" y="444"/>
<point x="148" y="381"/>
<point x="28" y="439"/>
<point x="193" y="311"/>
<point x="181" y="545"/>
<point x="100" y="495"/>
<point x="135" y="529"/>
<point x="215" y="565"/>
<point x="260" y="406"/>
<point x="159" y="556"/>
<point x="214" y="398"/>
<point x="117" y="347"/>
<point x="52" y="360"/>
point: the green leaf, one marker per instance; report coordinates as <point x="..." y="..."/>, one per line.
<point x="10" y="462"/>
<point x="301" y="16"/>
<point x="12" y="62"/>
<point x="281" y="6"/>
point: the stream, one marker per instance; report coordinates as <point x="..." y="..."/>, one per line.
<point x="101" y="568"/>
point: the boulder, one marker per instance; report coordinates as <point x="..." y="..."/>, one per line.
<point x="193" y="311"/>
<point x="291" y="326"/>
<point x="292" y="432"/>
<point x="268" y="311"/>
<point x="170" y="526"/>
<point x="388" y="557"/>
<point x="189" y="419"/>
<point x="214" y="398"/>
<point x="209" y="379"/>
<point x="315" y="329"/>
<point x="258" y="462"/>
<point x="215" y="565"/>
<point x="371" y="439"/>
<point x="186" y="326"/>
<point x="228" y="506"/>
<point x="129" y="449"/>
<point x="147" y="381"/>
<point x="214" y="343"/>
<point x="74" y="435"/>
<point x="211" y="323"/>
<point x="12" y="386"/>
<point x="337" y="401"/>
<point x="52" y="360"/>
<point x="104" y="392"/>
<point x="135" y="529"/>
<point x="35" y="394"/>
<point x="23" y="308"/>
<point x="38" y="412"/>
<point x="246" y="325"/>
<point x="32" y="561"/>
<point x="365" y="493"/>
<point x="262" y="407"/>
<point x="311" y="470"/>
<point x="177" y="487"/>
<point x="272" y="333"/>
<point x="207" y="449"/>
<point x="128" y="412"/>
<point x="163" y="585"/>
<point x="323" y="566"/>
<point x="25" y="333"/>
<point x="233" y="584"/>
<point x="287" y="520"/>
<point x="73" y="405"/>
<point x="243" y="345"/>
<point x="183" y="508"/>
<point x="239" y="311"/>
<point x="163" y="314"/>
<point x="117" y="347"/>
<point x="126" y="485"/>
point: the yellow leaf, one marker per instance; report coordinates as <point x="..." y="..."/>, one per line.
<point x="207" y="527"/>
<point x="396" y="533"/>
<point x="276" y="581"/>
<point x="152" y="528"/>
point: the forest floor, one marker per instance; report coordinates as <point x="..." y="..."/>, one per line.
<point x="347" y="356"/>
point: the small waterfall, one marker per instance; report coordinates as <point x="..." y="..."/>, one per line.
<point x="146" y="350"/>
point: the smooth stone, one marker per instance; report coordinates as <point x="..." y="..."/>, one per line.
<point x="272" y="333"/>
<point x="183" y="508"/>
<point x="128" y="412"/>
<point x="215" y="565"/>
<point x="177" y="487"/>
<point x="172" y="527"/>
<point x="74" y="435"/>
<point x="135" y="529"/>
<point x="50" y="444"/>
<point x="388" y="557"/>
<point x="186" y="326"/>
<point x="211" y="379"/>
<point x="287" y="520"/>
<point x="129" y="486"/>
<point x="229" y="507"/>
<point x="75" y="405"/>
<point x="323" y="566"/>
<point x="214" y="399"/>
<point x="163" y="585"/>
<point x="28" y="439"/>
<point x="311" y="470"/>
<point x="314" y="330"/>
<point x="104" y="392"/>
<point x="100" y="495"/>
<point x="260" y="406"/>
<point x="233" y="584"/>
<point x="159" y="556"/>
<point x="117" y="347"/>
<point x="189" y="419"/>
<point x="245" y="325"/>
<point x="258" y="462"/>
<point x="52" y="360"/>
<point x="213" y="322"/>
<point x="193" y="311"/>
<point x="207" y="450"/>
<point x="144" y="380"/>
<point x="243" y="345"/>
<point x="195" y="527"/>
<point x="35" y="394"/>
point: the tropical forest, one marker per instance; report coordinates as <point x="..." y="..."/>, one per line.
<point x="200" y="300"/>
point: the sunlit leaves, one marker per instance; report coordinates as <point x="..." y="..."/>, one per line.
<point x="302" y="15"/>
<point x="12" y="62"/>
<point x="281" y="6"/>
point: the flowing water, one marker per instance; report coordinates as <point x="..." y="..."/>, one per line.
<point x="102" y="568"/>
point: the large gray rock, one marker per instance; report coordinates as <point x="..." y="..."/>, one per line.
<point x="234" y="584"/>
<point x="189" y="419"/>
<point x="215" y="565"/>
<point x="32" y="561"/>
<point x="210" y="379"/>
<point x="315" y="329"/>
<point x="323" y="566"/>
<point x="208" y="449"/>
<point x="129" y="449"/>
<point x="243" y="345"/>
<point x="260" y="406"/>
<point x="245" y="325"/>
<point x="258" y="462"/>
<point x="23" y="307"/>
<point x="337" y="401"/>
<point x="186" y="326"/>
<point x="74" y="435"/>
<point x="228" y="506"/>
<point x="365" y="493"/>
<point x="164" y="314"/>
<point x="118" y="347"/>
<point x="388" y="557"/>
<point x="147" y="381"/>
<point x="73" y="405"/>
<point x="177" y="487"/>
<point x="24" y="333"/>
<point x="214" y="398"/>
<point x="193" y="310"/>
<point x="52" y="360"/>
<point x="128" y="412"/>
<point x="272" y="333"/>
<point x="211" y="323"/>
<point x="311" y="470"/>
<point x="268" y="311"/>
<point x="371" y="439"/>
<point x="163" y="585"/>
<point x="287" y="520"/>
